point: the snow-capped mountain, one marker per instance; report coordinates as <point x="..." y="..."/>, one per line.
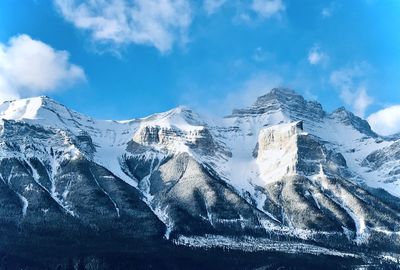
<point x="280" y="170"/>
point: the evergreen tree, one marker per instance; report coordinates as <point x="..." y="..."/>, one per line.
<point x="70" y="265"/>
<point x="81" y="264"/>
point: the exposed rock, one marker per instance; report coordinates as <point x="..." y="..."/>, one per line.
<point x="281" y="169"/>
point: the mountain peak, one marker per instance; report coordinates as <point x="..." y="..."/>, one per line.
<point x="42" y="110"/>
<point x="27" y="108"/>
<point x="349" y="118"/>
<point x="181" y="117"/>
<point x="281" y="95"/>
<point x="285" y="100"/>
<point x="283" y="90"/>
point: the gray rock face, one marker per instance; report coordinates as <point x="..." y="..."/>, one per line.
<point x="350" y="119"/>
<point x="385" y="160"/>
<point x="193" y="199"/>
<point x="200" y="139"/>
<point x="51" y="191"/>
<point x="278" y="169"/>
<point x="288" y="101"/>
<point x="315" y="194"/>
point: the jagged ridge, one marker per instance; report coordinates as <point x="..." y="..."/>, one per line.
<point x="282" y="167"/>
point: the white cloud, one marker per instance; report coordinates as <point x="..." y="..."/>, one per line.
<point x="351" y="82"/>
<point x="310" y="95"/>
<point x="267" y="8"/>
<point x="158" y="23"/>
<point x="260" y="55"/>
<point x="326" y="12"/>
<point x="211" y="6"/>
<point x="240" y="95"/>
<point x="31" y="67"/>
<point x="257" y="85"/>
<point x="6" y="92"/>
<point x="316" y="56"/>
<point x="386" y="121"/>
<point x="246" y="94"/>
<point x="242" y="17"/>
<point x="361" y="101"/>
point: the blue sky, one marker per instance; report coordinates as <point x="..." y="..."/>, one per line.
<point x="119" y="59"/>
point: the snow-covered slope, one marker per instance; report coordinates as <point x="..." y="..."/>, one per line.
<point x="281" y="167"/>
<point x="340" y="131"/>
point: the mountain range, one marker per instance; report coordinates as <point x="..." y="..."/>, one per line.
<point x="282" y="175"/>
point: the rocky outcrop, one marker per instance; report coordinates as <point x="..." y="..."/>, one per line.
<point x="286" y="100"/>
<point x="348" y="118"/>
<point x="385" y="161"/>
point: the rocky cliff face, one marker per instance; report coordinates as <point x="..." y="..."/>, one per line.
<point x="385" y="163"/>
<point x="282" y="169"/>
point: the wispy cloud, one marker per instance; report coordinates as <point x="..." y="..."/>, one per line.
<point x="316" y="56"/>
<point x="326" y="12"/>
<point x="257" y="85"/>
<point x="360" y="101"/>
<point x="329" y="10"/>
<point x="158" y="23"/>
<point x="243" y="95"/>
<point x="260" y="55"/>
<point x="352" y="83"/>
<point x="31" y="67"/>
<point x="211" y="6"/>
<point x="267" y="8"/>
<point x="386" y="121"/>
